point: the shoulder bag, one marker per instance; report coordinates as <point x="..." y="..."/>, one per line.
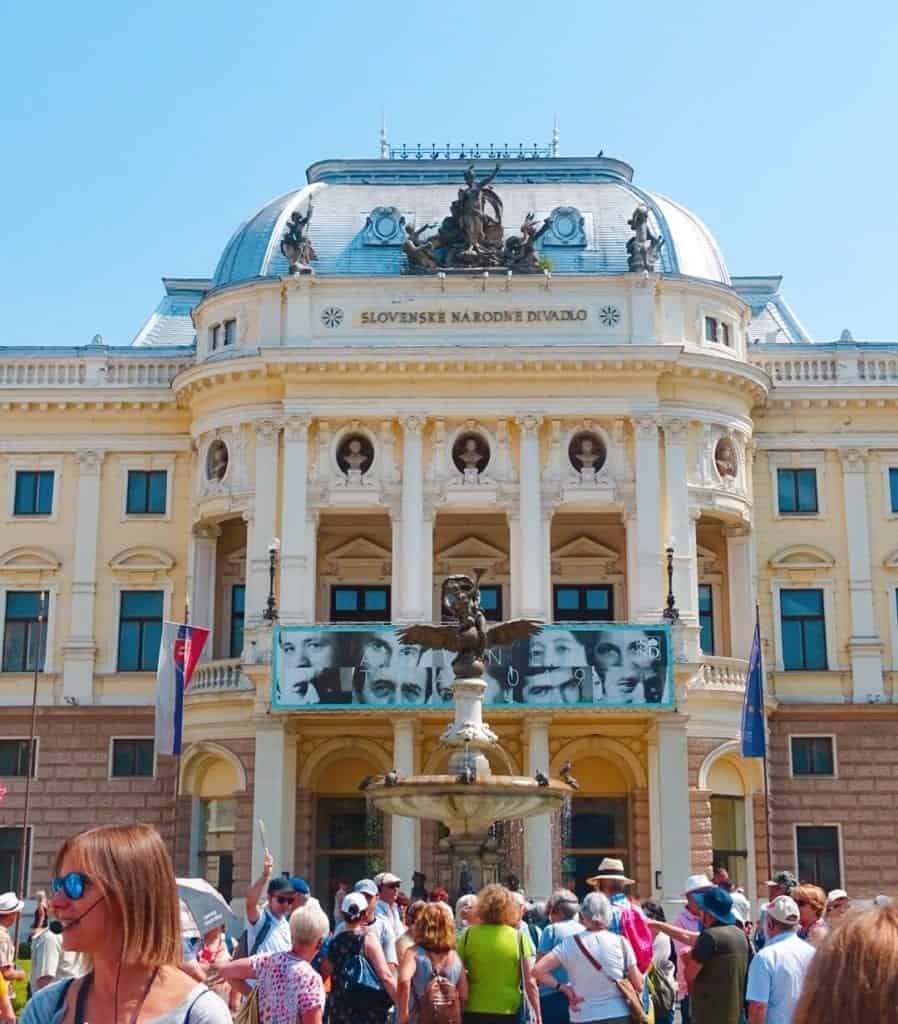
<point x="624" y="985"/>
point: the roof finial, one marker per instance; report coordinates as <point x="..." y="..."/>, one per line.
<point x="384" y="144"/>
<point x="555" y="136"/>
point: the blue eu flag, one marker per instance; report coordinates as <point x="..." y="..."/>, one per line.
<point x="754" y="741"/>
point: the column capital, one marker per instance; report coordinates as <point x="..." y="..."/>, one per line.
<point x="540" y="723"/>
<point x="854" y="460"/>
<point x="676" y="431"/>
<point x="89" y="462"/>
<point x="405" y="725"/>
<point x="266" y="430"/>
<point x="645" y="428"/>
<point x="296" y="427"/>
<point x="528" y="423"/>
<point x="206" y="531"/>
<point x="413" y="425"/>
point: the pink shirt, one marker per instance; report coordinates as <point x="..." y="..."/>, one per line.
<point x="288" y="986"/>
<point x="690" y="923"/>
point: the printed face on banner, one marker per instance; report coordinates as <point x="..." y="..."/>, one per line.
<point x="600" y="665"/>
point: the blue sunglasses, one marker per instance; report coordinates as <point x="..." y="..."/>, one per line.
<point x="71" y="884"/>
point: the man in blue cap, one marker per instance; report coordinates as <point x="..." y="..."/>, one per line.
<point x="717" y="966"/>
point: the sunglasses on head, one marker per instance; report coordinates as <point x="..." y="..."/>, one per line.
<point x="71" y="884"/>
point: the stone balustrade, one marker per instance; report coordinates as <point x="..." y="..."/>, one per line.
<point x="81" y="368"/>
<point x="218" y="676"/>
<point x="814" y="365"/>
<point x="723" y="674"/>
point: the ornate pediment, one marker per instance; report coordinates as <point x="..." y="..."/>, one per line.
<point x="358" y="554"/>
<point x="469" y="553"/>
<point x="802" y="556"/>
<point x="28" y="560"/>
<point x="584" y="552"/>
<point x="142" y="559"/>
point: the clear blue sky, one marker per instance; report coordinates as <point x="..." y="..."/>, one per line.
<point x="136" y="136"/>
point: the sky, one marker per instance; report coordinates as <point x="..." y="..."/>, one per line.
<point x="136" y="137"/>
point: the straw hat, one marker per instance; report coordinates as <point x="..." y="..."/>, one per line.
<point x="612" y="869"/>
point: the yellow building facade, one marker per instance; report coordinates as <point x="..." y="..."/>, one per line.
<point x="332" y="409"/>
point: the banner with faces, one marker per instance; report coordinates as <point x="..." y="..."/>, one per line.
<point x="599" y="664"/>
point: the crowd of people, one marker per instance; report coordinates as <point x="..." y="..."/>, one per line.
<point x="112" y="945"/>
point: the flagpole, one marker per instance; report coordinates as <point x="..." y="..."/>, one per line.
<point x="23" y="849"/>
<point x="769" y="823"/>
<point x="176" y="796"/>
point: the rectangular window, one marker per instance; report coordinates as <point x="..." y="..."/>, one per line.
<point x="214" y="333"/>
<point x="725" y="333"/>
<point x="139" y="630"/>
<point x="360" y="604"/>
<point x="591" y="602"/>
<point x="706" y="617"/>
<point x="599" y="827"/>
<point x="491" y="603"/>
<point x="230" y="332"/>
<point x="797" y="491"/>
<point x="11" y="860"/>
<point x="238" y="611"/>
<point x="818" y="855"/>
<point x="146" y="492"/>
<point x="729" y="845"/>
<point x="22" y="632"/>
<point x="812" y="755"/>
<point x="34" y="493"/>
<point x="132" y="758"/>
<point x="14" y="758"/>
<point x="893" y="489"/>
<point x="710" y="329"/>
<point x="804" y="630"/>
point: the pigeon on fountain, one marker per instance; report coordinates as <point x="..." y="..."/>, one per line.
<point x="541" y="778"/>
<point x="368" y="780"/>
<point x="391" y="778"/>
<point x="566" y="776"/>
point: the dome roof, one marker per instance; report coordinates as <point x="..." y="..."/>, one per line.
<point x="349" y="240"/>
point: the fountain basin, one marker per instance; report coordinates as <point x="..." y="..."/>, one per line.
<point x="468" y="809"/>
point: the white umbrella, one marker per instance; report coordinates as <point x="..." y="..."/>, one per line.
<point x="206" y="905"/>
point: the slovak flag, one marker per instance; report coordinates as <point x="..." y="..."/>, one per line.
<point x="179" y="652"/>
<point x="754" y="739"/>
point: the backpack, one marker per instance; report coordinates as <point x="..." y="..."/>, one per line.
<point x="243" y="947"/>
<point x="634" y="929"/>
<point x="440" y="1003"/>
<point x="361" y="987"/>
<point x="662" y="990"/>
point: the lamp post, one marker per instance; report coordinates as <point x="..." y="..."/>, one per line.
<point x="670" y="613"/>
<point x="270" y="612"/>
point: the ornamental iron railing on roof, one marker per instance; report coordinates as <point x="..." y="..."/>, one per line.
<point x="492" y="151"/>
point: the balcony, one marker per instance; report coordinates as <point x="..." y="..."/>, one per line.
<point x="94" y="366"/>
<point x="822" y="365"/>
<point x="223" y="676"/>
<point x="722" y="675"/>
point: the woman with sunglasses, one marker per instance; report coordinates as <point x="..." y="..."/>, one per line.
<point x="116" y="901"/>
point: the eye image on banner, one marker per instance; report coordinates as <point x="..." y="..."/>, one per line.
<point x="606" y="664"/>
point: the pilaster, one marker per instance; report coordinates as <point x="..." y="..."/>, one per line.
<point x="263" y="523"/>
<point x="740" y="588"/>
<point x="531" y="556"/>
<point x="538" y="829"/>
<point x="409" y="605"/>
<point x="670" y="831"/>
<point x="405" y="832"/>
<point x="204" y="543"/>
<point x="274" y="794"/>
<point x="648" y="599"/>
<point x="295" y="563"/>
<point x="680" y="521"/>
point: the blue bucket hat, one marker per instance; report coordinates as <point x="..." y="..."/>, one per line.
<point x="718" y="903"/>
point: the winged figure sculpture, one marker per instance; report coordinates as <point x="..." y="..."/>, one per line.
<point x="466" y="633"/>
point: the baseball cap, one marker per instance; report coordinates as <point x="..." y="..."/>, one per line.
<point x="365" y="885"/>
<point x="836" y="894"/>
<point x="386" y="878"/>
<point x="279" y="884"/>
<point x="783" y="909"/>
<point x="784" y="879"/>
<point x="354" y="905"/>
<point x="300" y="885"/>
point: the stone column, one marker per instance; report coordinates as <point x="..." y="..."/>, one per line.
<point x="671" y="830"/>
<point x="263" y="524"/>
<point x="530" y="562"/>
<point x="740" y="588"/>
<point x="864" y="645"/>
<point x="648" y="599"/>
<point x="294" y="560"/>
<point x="80" y="647"/>
<point x="538" y="830"/>
<point x="513" y="513"/>
<point x="680" y="521"/>
<point x="404" y="832"/>
<point x="425" y="570"/>
<point x="204" y="541"/>
<point x="409" y="603"/>
<point x="274" y="794"/>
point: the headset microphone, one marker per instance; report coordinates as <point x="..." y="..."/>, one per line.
<point x="57" y="927"/>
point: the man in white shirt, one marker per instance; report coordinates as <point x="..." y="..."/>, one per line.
<point x="776" y="974"/>
<point x="386" y="907"/>
<point x="267" y="928"/>
<point x="50" y="963"/>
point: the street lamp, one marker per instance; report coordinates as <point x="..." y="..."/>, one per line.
<point x="270" y="613"/>
<point x="670" y="613"/>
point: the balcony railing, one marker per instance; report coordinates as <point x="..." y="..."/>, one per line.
<point x="218" y="676"/>
<point x="814" y="365"/>
<point x="82" y="368"/>
<point x="725" y="674"/>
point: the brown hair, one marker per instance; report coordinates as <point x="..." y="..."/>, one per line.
<point x="132" y="866"/>
<point x="812" y="894"/>
<point x="495" y="905"/>
<point x="412" y="911"/>
<point x="434" y="928"/>
<point x="853" y="978"/>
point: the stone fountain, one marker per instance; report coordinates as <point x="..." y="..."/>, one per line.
<point x="469" y="798"/>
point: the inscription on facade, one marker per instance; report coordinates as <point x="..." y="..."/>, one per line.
<point x="467" y="317"/>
